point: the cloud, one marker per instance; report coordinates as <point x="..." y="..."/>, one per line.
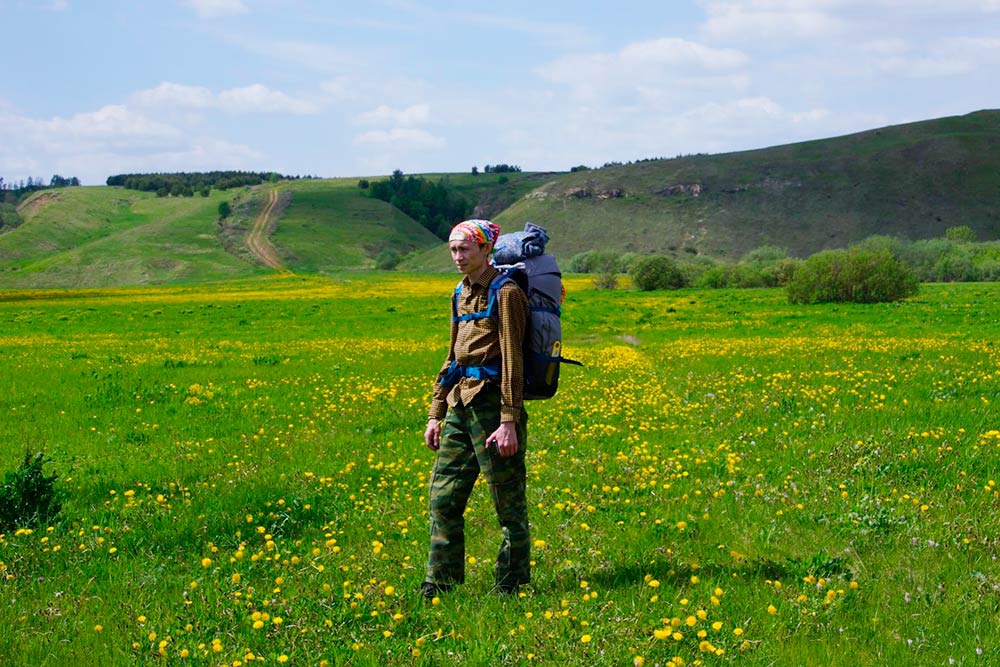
<point x="943" y="58"/>
<point x="656" y="72"/>
<point x="208" y="9"/>
<point x="400" y="139"/>
<point x="256" y="98"/>
<point x="260" y="99"/>
<point x="784" y="20"/>
<point x="418" y="114"/>
<point x="169" y="94"/>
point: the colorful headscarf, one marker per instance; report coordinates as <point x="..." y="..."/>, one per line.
<point x="477" y="231"/>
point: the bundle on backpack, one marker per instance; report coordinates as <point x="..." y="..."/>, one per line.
<point x="521" y="258"/>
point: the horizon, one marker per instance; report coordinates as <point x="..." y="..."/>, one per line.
<point x="305" y="89"/>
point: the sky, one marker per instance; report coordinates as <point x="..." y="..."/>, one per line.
<point x="93" y="88"/>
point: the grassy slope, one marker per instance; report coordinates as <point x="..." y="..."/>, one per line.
<point x="912" y="180"/>
<point x="330" y="225"/>
<point x="90" y="237"/>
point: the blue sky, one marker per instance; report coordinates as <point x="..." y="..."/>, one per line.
<point x="99" y="87"/>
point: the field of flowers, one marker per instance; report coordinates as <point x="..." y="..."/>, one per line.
<point x="729" y="480"/>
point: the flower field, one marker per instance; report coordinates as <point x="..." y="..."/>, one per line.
<point x="730" y="480"/>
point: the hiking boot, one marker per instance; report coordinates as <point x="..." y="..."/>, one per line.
<point x="430" y="590"/>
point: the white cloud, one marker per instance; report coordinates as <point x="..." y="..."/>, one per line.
<point x="169" y="94"/>
<point x="384" y="115"/>
<point x="944" y="58"/>
<point x="256" y="98"/>
<point x="215" y="8"/>
<point x="652" y="71"/>
<point x="400" y="139"/>
<point x="260" y="99"/>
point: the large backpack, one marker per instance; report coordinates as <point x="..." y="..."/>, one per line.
<point x="539" y="277"/>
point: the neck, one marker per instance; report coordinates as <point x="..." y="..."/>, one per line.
<point x="478" y="273"/>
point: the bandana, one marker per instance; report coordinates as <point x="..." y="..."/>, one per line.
<point x="477" y="231"/>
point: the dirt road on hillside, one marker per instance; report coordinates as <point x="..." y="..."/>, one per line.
<point x="259" y="238"/>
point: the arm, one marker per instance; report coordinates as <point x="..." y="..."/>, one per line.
<point x="439" y="404"/>
<point x="513" y="317"/>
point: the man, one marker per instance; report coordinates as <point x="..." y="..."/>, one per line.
<point x="477" y="422"/>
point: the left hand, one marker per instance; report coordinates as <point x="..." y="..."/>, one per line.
<point x="504" y="439"/>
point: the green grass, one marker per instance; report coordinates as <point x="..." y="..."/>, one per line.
<point x="912" y="181"/>
<point x="330" y="225"/>
<point x="87" y="237"/>
<point x="820" y="478"/>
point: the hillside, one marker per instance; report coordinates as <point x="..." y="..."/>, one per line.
<point x="109" y="236"/>
<point x="912" y="181"/>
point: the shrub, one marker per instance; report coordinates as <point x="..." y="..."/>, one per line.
<point x="960" y="234"/>
<point x="657" y="272"/>
<point x="28" y="497"/>
<point x="596" y="261"/>
<point x="225" y="209"/>
<point x="387" y="260"/>
<point x="854" y="276"/>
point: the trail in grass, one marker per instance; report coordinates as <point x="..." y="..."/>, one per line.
<point x="258" y="240"/>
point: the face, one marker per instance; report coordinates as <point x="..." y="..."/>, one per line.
<point x="469" y="257"/>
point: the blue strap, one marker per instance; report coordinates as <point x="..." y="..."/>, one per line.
<point x="456" y="372"/>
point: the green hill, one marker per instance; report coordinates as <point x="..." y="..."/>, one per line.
<point x="912" y="181"/>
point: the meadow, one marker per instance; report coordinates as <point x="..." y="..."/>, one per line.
<point x="730" y="480"/>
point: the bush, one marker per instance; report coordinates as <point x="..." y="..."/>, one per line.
<point x="657" y="272"/>
<point x="225" y="209"/>
<point x="857" y="276"/>
<point x="387" y="260"/>
<point x="28" y="497"/>
<point x="596" y="261"/>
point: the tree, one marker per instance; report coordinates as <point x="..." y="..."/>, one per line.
<point x="225" y="210"/>
<point x="475" y="171"/>
<point x="960" y="234"/>
<point x="657" y="272"/>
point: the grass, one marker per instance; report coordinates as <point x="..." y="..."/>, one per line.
<point x="331" y="225"/>
<point x="912" y="181"/>
<point x="730" y="480"/>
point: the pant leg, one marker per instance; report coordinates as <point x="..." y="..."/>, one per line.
<point x="455" y="471"/>
<point x="506" y="477"/>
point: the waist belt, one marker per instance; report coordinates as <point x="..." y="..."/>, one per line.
<point x="457" y="371"/>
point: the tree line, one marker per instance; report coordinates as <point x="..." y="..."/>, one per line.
<point x="187" y="184"/>
<point x="32" y="184"/>
<point x="431" y="204"/>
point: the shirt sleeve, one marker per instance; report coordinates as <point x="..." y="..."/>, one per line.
<point x="513" y="316"/>
<point x="439" y="403"/>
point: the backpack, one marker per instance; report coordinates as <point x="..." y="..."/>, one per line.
<point x="539" y="277"/>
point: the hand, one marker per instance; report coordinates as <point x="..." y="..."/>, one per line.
<point x="504" y="439"/>
<point x="432" y="436"/>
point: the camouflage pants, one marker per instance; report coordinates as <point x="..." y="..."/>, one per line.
<point x="462" y="457"/>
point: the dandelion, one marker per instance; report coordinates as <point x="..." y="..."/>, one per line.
<point x="585" y="639"/>
<point x="206" y="562"/>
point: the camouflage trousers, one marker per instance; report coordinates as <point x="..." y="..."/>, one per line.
<point x="463" y="455"/>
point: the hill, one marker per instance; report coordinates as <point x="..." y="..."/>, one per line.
<point x="912" y="181"/>
<point x="110" y="236"/>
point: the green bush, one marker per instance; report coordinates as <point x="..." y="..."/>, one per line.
<point x="27" y="497"/>
<point x="857" y="276"/>
<point x="596" y="261"/>
<point x="387" y="260"/>
<point x="657" y="272"/>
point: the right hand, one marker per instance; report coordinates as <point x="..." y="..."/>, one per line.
<point x="432" y="436"/>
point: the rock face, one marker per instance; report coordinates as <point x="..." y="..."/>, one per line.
<point x="586" y="193"/>
<point x="693" y="189"/>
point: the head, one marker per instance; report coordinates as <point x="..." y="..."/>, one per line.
<point x="471" y="243"/>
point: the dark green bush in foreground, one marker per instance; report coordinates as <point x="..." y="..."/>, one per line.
<point x="657" y="272"/>
<point x="859" y="276"/>
<point x="28" y="497"/>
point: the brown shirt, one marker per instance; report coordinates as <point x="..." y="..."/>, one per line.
<point x="478" y="342"/>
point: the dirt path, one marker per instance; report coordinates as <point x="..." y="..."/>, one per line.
<point x="259" y="241"/>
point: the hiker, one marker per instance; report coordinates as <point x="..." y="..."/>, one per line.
<point x="477" y="422"/>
